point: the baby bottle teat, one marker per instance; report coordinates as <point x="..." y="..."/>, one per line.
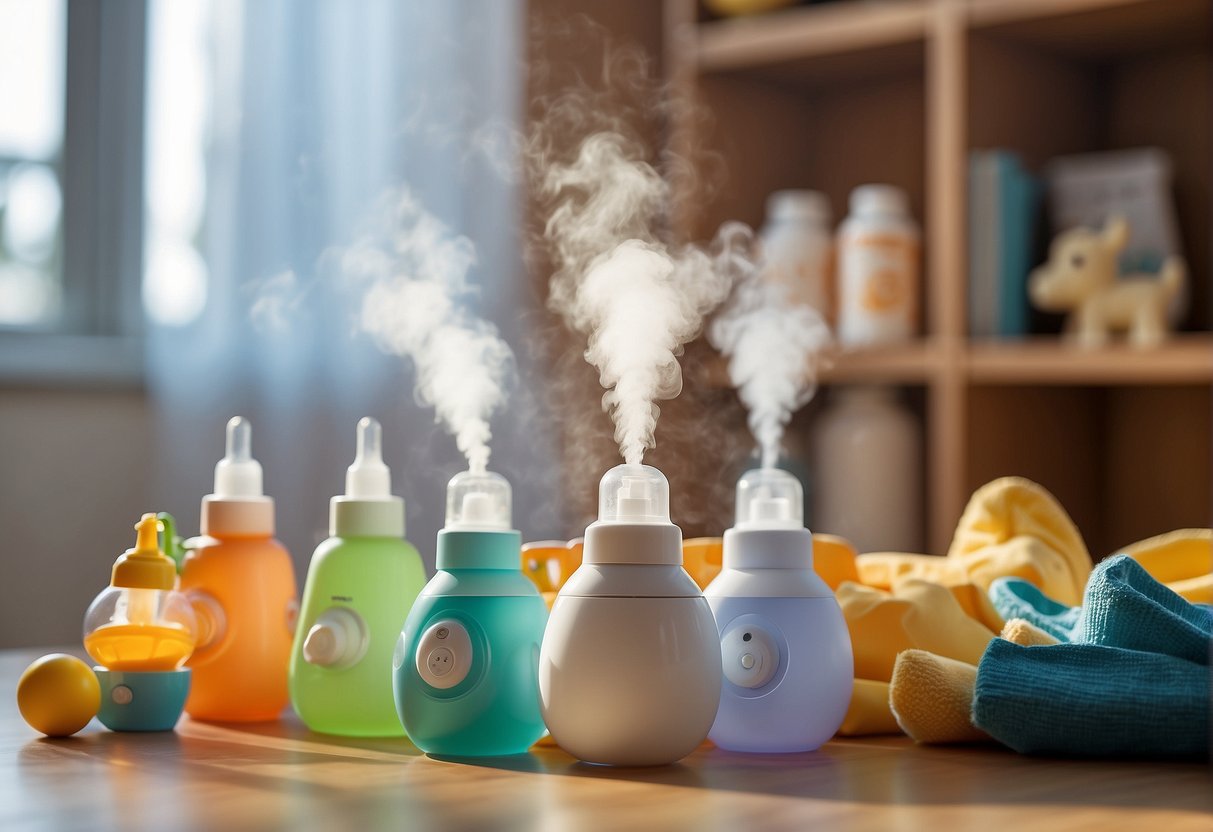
<point x="238" y="475"/>
<point x="238" y="505"/>
<point x="368" y="477"/>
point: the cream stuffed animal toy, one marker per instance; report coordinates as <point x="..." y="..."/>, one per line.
<point x="1081" y="277"/>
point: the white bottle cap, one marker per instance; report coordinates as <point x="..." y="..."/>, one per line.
<point x="368" y="508"/>
<point x="769" y="498"/>
<point x="806" y="206"/>
<point x="879" y="200"/>
<point x="478" y="502"/>
<point x="238" y="506"/>
<point x="634" y="521"/>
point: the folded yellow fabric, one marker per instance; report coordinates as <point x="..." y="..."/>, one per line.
<point x="868" y="713"/>
<point x="976" y="604"/>
<point x="931" y="697"/>
<point x="1011" y="527"/>
<point x="915" y="614"/>
<point x="1026" y="634"/>
<point x="1182" y="559"/>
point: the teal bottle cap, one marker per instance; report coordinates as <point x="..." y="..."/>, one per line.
<point x="459" y="549"/>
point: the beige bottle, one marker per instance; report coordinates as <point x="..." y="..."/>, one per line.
<point x="797" y="247"/>
<point x="878" y="269"/>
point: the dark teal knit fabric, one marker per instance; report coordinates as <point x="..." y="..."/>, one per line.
<point x="1135" y="682"/>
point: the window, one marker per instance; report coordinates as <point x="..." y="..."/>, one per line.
<point x="71" y="144"/>
<point x="32" y="63"/>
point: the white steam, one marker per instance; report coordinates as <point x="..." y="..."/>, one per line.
<point x="637" y="300"/>
<point x="413" y="271"/>
<point x="773" y="346"/>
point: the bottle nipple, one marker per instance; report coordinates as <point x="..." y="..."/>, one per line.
<point x="368" y="477"/>
<point x="238" y="475"/>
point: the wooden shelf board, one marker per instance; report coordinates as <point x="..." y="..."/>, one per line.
<point x="915" y="363"/>
<point x="1186" y="359"/>
<point x="819" y="41"/>
<point x="1096" y="29"/>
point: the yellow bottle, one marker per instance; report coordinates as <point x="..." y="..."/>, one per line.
<point x="139" y="622"/>
<point x="140" y="631"/>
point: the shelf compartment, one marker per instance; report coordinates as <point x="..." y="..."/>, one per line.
<point x="1185" y="359"/>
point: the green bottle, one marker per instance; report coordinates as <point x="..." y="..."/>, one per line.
<point x="360" y="585"/>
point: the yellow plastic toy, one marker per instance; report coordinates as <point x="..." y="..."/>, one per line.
<point x="139" y="622"/>
<point x="58" y="695"/>
<point x="1080" y="277"/>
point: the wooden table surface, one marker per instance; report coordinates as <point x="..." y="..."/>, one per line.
<point x="279" y="775"/>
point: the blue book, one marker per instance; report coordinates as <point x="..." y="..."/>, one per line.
<point x="1018" y="202"/>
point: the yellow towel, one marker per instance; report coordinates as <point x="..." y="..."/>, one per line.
<point x="1011" y="526"/>
<point x="916" y="614"/>
<point x="1183" y="560"/>
<point x="931" y="696"/>
<point x="1026" y="634"/>
<point x="869" y="711"/>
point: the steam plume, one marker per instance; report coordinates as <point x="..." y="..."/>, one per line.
<point x="413" y="270"/>
<point x="636" y="299"/>
<point x="773" y="346"/>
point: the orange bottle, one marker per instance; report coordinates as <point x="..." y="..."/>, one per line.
<point x="242" y="586"/>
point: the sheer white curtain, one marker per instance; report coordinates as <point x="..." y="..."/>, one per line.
<point x="273" y="126"/>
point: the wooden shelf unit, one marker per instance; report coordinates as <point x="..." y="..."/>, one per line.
<point x="829" y="97"/>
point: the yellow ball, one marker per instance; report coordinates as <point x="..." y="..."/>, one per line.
<point x="58" y="694"/>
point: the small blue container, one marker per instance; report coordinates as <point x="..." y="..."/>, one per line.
<point x="785" y="648"/>
<point x="142" y="700"/>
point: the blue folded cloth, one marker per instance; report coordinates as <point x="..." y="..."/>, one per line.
<point x="1133" y="682"/>
<point x="1017" y="598"/>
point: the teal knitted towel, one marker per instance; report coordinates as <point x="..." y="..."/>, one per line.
<point x="1134" y="682"/>
<point x="1123" y="606"/>
<point x="1016" y="598"/>
<point x="1087" y="700"/>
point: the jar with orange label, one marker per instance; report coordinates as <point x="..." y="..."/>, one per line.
<point x="878" y="268"/>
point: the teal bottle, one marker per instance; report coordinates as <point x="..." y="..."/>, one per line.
<point x="465" y="673"/>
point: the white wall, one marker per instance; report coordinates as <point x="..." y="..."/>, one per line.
<point x="72" y="483"/>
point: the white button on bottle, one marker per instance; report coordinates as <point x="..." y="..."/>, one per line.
<point x="750" y="656"/>
<point x="337" y="639"/>
<point x="444" y="655"/>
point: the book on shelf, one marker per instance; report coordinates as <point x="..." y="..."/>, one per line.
<point x="1004" y="201"/>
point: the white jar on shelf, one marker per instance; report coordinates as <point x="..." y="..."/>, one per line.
<point x="878" y="269"/>
<point x="868" y="455"/>
<point x="797" y="247"/>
